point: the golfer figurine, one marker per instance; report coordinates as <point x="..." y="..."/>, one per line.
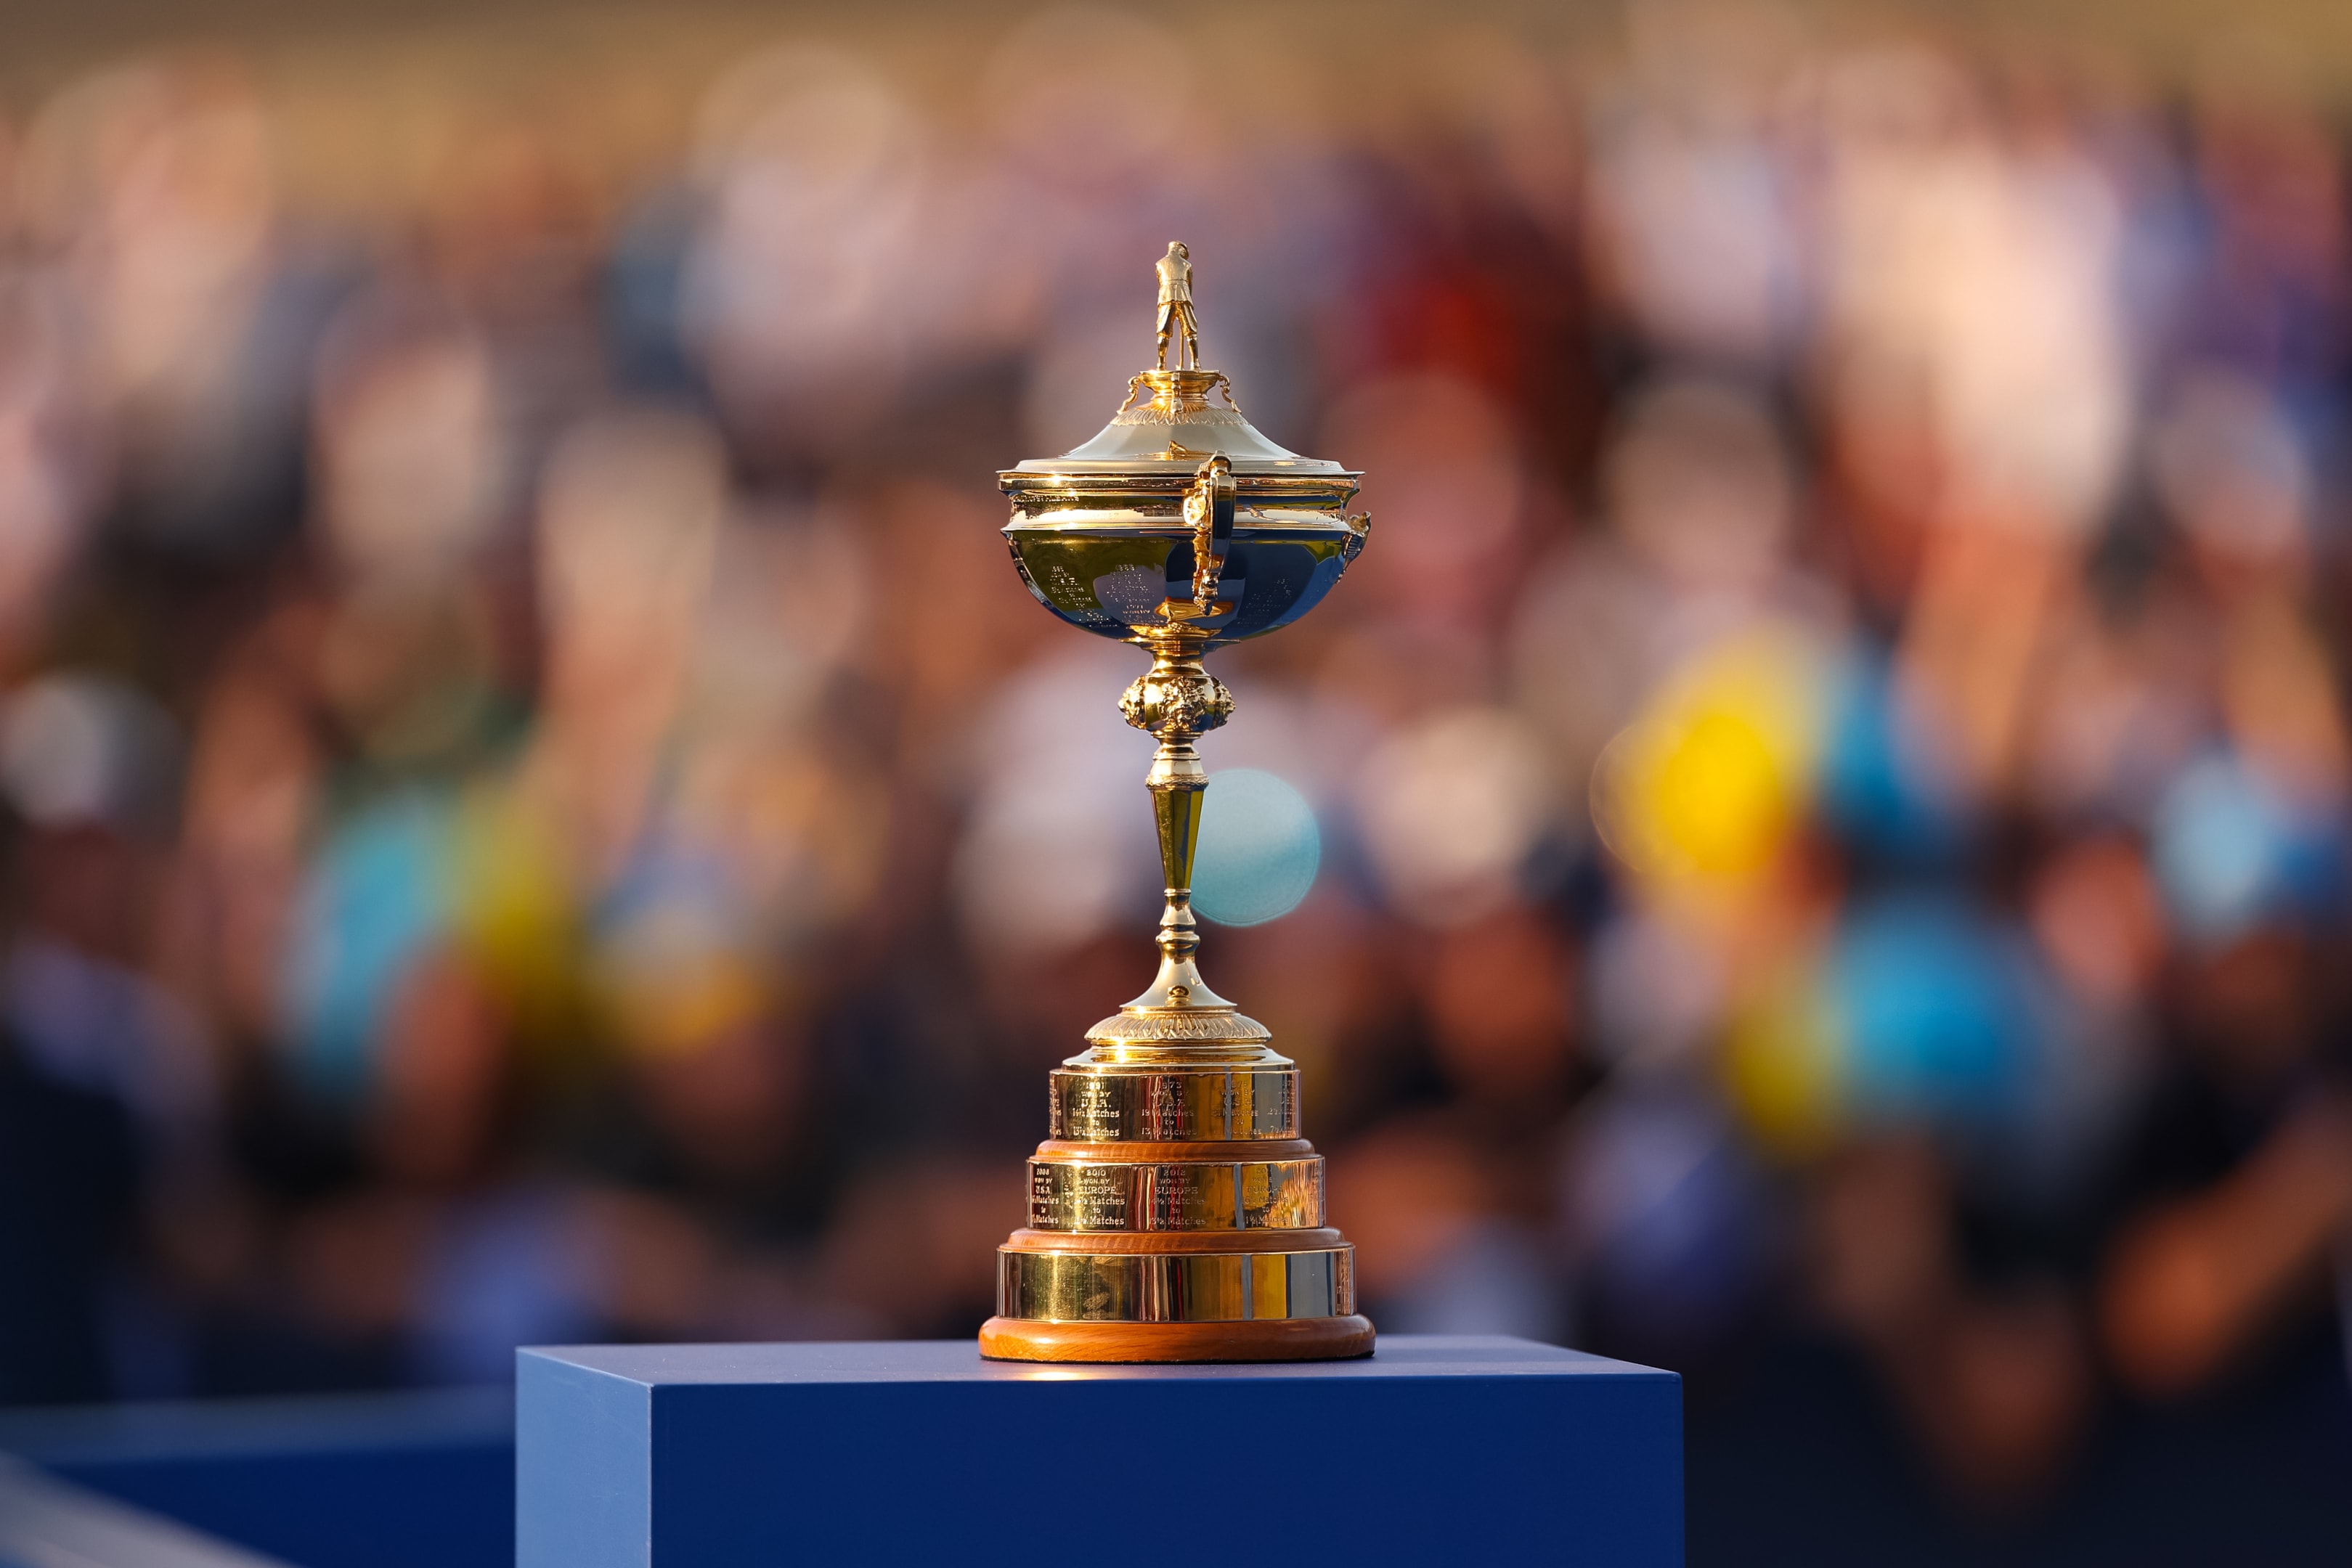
<point x="1176" y="307"/>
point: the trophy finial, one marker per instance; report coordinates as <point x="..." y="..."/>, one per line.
<point x="1176" y="307"/>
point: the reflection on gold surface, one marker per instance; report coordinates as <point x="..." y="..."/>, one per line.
<point x="1149" y="1288"/>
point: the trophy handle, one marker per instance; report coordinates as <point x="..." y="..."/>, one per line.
<point x="1211" y="507"/>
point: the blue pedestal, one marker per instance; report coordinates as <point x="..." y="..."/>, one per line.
<point x="1437" y="1450"/>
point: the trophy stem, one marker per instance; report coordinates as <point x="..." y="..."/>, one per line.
<point x="1178" y="783"/>
<point x="1176" y="701"/>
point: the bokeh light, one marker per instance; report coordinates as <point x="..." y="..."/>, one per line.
<point x="1259" y="850"/>
<point x="1704" y="789"/>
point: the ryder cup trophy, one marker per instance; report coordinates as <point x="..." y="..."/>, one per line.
<point x="1175" y="1214"/>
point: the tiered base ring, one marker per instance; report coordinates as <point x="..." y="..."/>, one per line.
<point x="1288" y="1339"/>
<point x="1175" y="1215"/>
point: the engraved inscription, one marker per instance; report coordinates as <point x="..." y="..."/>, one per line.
<point x="1130" y="590"/>
<point x="1093" y="1109"/>
<point x="1101" y="1198"/>
<point x="1078" y="1198"/>
<point x="1173" y="1107"/>
<point x="1256" y="1180"/>
<point x="1249" y="1195"/>
<point x="1041" y="1196"/>
<point x="1164" y="1112"/>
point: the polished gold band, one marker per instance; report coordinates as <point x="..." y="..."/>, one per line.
<point x="1173" y="1105"/>
<point x="1174" y="1287"/>
<point x="1285" y="1195"/>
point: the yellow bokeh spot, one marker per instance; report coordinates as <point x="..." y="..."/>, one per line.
<point x="1782" y="1065"/>
<point x="1706" y="784"/>
<point x="515" y="914"/>
<point x="1720" y="797"/>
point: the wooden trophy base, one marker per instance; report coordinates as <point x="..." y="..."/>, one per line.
<point x="1280" y="1339"/>
<point x="1175" y="1214"/>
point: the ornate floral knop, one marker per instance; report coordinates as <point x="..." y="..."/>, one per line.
<point x="1177" y="704"/>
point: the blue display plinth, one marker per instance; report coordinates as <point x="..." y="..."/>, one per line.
<point x="1437" y="1449"/>
<point x="377" y="1480"/>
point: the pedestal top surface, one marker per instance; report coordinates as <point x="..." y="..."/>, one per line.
<point x="958" y="1361"/>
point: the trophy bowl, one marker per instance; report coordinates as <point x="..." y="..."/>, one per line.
<point x="1175" y="1212"/>
<point x="1102" y="537"/>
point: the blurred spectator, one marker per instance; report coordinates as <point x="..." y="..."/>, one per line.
<point x="105" y="1086"/>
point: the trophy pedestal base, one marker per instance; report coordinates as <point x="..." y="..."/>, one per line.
<point x="1281" y="1339"/>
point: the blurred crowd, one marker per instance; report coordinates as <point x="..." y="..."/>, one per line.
<point x="538" y="808"/>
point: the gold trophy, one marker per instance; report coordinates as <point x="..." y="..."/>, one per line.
<point x="1175" y="1214"/>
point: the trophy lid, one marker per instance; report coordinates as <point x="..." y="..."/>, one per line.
<point x="1158" y="441"/>
<point x="1189" y="415"/>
